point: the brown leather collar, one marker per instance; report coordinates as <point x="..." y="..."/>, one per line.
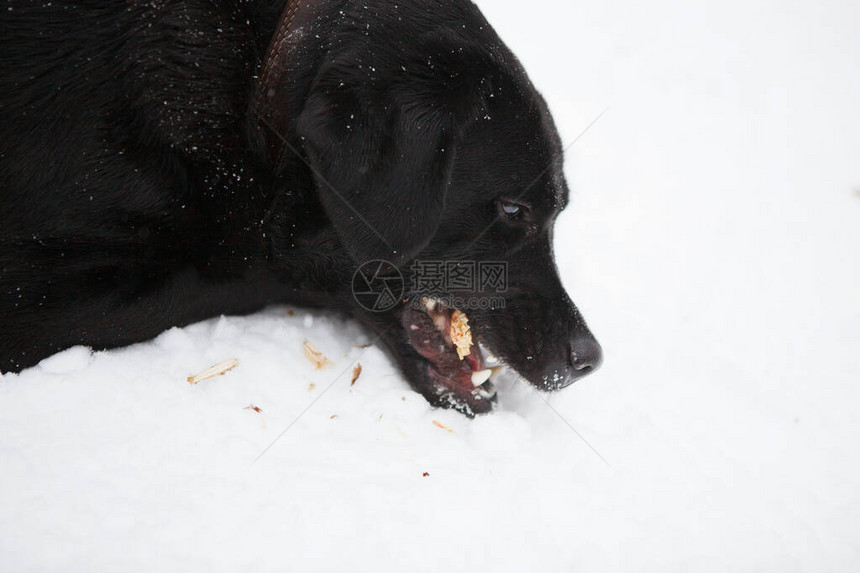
<point x="270" y="102"/>
<point x="278" y="43"/>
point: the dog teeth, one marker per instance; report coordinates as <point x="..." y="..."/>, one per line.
<point x="481" y="376"/>
<point x="485" y="394"/>
<point x="440" y="321"/>
<point x="496" y="371"/>
<point x="430" y="304"/>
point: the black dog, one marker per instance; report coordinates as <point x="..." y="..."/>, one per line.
<point x="166" y="161"/>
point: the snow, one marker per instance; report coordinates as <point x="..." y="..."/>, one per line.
<point x="712" y="244"/>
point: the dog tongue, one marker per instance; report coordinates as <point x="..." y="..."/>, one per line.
<point x="475" y="358"/>
<point x="426" y="338"/>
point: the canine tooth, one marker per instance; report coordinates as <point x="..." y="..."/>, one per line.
<point x="481" y="376"/>
<point x="430" y="304"/>
<point x="496" y="371"/>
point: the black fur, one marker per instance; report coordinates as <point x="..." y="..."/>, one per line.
<point x="137" y="192"/>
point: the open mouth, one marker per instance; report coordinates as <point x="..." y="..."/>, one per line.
<point x="457" y="367"/>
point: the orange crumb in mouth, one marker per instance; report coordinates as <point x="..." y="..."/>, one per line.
<point x="461" y="334"/>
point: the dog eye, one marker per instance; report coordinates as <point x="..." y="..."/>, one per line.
<point x="512" y="210"/>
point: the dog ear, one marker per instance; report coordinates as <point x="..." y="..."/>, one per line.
<point x="381" y="161"/>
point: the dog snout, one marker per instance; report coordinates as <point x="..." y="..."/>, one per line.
<point x="586" y="356"/>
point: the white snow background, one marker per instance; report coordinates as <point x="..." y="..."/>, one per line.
<point x="712" y="244"/>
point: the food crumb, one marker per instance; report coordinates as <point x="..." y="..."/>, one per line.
<point x="442" y="426"/>
<point x="317" y="357"/>
<point x="255" y="408"/>
<point x="212" y="372"/>
<point x="461" y="334"/>
<point x="356" y="372"/>
<point x="332" y="417"/>
<point x="426" y="474"/>
<point x="312" y="387"/>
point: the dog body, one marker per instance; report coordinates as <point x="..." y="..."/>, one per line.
<point x="165" y="162"/>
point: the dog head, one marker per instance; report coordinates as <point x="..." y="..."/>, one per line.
<point x="427" y="142"/>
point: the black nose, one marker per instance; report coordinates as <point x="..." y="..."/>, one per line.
<point x="586" y="356"/>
